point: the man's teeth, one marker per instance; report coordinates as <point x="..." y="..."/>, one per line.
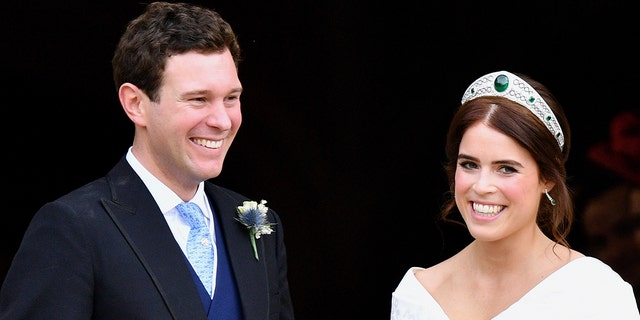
<point x="208" y="143"/>
<point x="486" y="210"/>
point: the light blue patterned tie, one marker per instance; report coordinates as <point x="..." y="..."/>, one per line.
<point x="199" y="247"/>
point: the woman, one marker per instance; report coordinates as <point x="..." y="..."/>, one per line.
<point x="506" y="148"/>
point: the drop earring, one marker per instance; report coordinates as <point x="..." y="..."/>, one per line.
<point x="552" y="200"/>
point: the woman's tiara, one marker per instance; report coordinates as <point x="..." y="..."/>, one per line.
<point x="508" y="85"/>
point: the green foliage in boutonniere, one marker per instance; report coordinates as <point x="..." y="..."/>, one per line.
<point x="254" y="216"/>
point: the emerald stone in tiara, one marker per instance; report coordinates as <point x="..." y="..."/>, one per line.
<point x="501" y="83"/>
<point x="508" y="85"/>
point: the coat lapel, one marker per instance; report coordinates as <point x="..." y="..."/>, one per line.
<point x="249" y="272"/>
<point x="135" y="213"/>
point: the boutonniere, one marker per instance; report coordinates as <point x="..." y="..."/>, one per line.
<point x="253" y="215"/>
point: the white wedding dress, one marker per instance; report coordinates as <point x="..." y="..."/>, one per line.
<point x="585" y="288"/>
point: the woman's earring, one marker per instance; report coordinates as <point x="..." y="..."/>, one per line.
<point x="552" y="200"/>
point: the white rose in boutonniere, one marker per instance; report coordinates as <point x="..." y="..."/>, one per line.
<point x="254" y="216"/>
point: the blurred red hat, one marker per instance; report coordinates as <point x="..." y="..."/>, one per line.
<point x="621" y="154"/>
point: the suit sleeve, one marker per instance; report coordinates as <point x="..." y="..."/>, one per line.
<point x="50" y="276"/>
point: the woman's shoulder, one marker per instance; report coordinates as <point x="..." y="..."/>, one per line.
<point x="410" y="300"/>
<point x="596" y="287"/>
<point x="590" y="274"/>
<point x="589" y="266"/>
<point x="434" y="276"/>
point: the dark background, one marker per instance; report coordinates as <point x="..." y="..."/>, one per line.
<point x="345" y="107"/>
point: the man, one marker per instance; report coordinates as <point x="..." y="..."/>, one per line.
<point x="119" y="247"/>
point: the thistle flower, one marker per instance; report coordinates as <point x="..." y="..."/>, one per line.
<point x="254" y="216"/>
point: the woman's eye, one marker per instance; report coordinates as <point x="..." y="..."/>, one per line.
<point x="467" y="165"/>
<point x="507" y="170"/>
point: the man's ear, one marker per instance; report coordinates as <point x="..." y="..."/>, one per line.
<point x="133" y="101"/>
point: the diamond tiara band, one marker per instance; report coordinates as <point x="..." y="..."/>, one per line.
<point x="508" y="85"/>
